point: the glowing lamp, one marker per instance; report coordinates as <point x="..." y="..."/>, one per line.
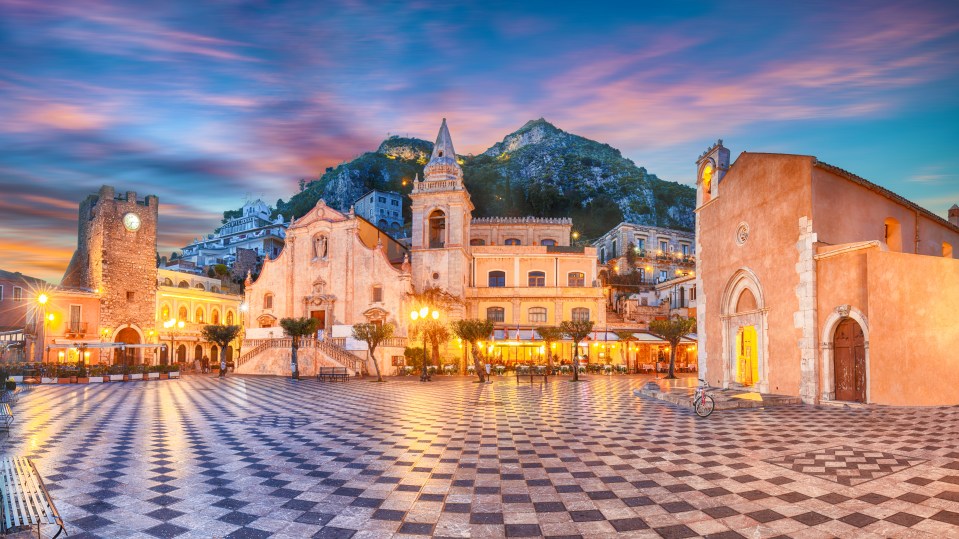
<point x="424" y="312"/>
<point x="414" y="315"/>
<point x="42" y="299"/>
<point x="50" y="317"/>
<point x="436" y="315"/>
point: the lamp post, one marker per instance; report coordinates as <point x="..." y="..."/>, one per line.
<point x="42" y="300"/>
<point x="422" y="314"/>
<point x="172" y="325"/>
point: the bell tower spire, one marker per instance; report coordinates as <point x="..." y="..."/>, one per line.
<point x="443" y="165"/>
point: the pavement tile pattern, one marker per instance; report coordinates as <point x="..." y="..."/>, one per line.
<point x="250" y="457"/>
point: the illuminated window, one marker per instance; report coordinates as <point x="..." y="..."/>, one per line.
<point x="199" y="316"/>
<point x="183" y="314"/>
<point x="537" y="314"/>
<point x="580" y="314"/>
<point x="165" y="313"/>
<point x="497" y="278"/>
<point x="215" y="317"/>
<point x="576" y="278"/>
<point x="229" y="318"/>
<point x="893" y="235"/>
<point x="537" y="278"/>
<point x="495" y="314"/>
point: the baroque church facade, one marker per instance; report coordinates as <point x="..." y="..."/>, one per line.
<point x="343" y="270"/>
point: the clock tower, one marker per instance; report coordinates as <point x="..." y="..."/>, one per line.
<point x="116" y="258"/>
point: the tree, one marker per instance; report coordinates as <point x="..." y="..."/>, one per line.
<point x="437" y="333"/>
<point x="221" y="336"/>
<point x="625" y="337"/>
<point x="672" y="331"/>
<point x="373" y="335"/>
<point x="550" y="335"/>
<point x="473" y="331"/>
<point x="296" y="328"/>
<point x="576" y="330"/>
<point x="630" y="257"/>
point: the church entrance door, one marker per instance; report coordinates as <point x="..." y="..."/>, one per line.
<point x="128" y="356"/>
<point x="321" y="316"/>
<point x="850" y="362"/>
<point x="747" y="363"/>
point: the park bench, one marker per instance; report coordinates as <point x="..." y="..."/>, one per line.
<point x="6" y="415"/>
<point x="10" y="396"/>
<point x="24" y="498"/>
<point x="332" y="374"/>
<point x="532" y="372"/>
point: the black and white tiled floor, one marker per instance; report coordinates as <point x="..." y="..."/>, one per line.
<point x="259" y="457"/>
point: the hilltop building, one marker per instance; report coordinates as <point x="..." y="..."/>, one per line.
<point x="253" y="230"/>
<point x="660" y="253"/>
<point x="339" y="268"/>
<point x="383" y="208"/>
<point x="815" y="282"/>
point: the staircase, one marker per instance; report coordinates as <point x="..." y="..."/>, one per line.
<point x="273" y="356"/>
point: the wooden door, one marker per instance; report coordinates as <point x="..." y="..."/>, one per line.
<point x="321" y="316"/>
<point x="850" y="362"/>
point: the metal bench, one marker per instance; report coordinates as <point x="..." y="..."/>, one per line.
<point x="6" y="415"/>
<point x="332" y="374"/>
<point x="24" y="499"/>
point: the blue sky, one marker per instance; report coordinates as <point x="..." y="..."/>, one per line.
<point x="205" y="104"/>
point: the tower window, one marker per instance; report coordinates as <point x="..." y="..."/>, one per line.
<point x="130" y="296"/>
<point x="437" y="229"/>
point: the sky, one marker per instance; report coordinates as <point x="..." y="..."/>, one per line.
<point x="208" y="104"/>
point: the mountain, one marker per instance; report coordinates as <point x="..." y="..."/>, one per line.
<point x="538" y="170"/>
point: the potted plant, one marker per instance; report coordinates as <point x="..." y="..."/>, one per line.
<point x="164" y="371"/>
<point x="153" y="372"/>
<point x="83" y="377"/>
<point x="135" y="373"/>
<point x="117" y="373"/>
<point x="175" y="371"/>
<point x="96" y="374"/>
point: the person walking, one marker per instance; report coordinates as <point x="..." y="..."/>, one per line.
<point x="205" y="365"/>
<point x="489" y="369"/>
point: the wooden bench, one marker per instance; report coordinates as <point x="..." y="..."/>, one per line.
<point x="6" y="415"/>
<point x="532" y="372"/>
<point x="332" y="374"/>
<point x="24" y="499"/>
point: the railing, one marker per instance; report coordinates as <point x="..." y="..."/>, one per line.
<point x="258" y="346"/>
<point x="77" y="327"/>
<point x="338" y="354"/>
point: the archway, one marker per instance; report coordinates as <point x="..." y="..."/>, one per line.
<point x="127" y="335"/>
<point x="198" y="352"/>
<point x="181" y="353"/>
<point x="845" y="355"/>
<point x="215" y="355"/>
<point x="745" y="328"/>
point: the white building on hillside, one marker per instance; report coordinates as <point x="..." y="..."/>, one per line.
<point x="252" y="230"/>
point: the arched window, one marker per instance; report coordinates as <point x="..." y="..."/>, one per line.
<point x="946" y="250"/>
<point x="513" y="241"/>
<point x="537" y="278"/>
<point x="497" y="278"/>
<point x="199" y="315"/>
<point x="165" y="313"/>
<point x="548" y="243"/>
<point x="893" y="235"/>
<point x="167" y="281"/>
<point x="229" y="318"/>
<point x="268" y="301"/>
<point x="377" y="294"/>
<point x="496" y="314"/>
<point x="215" y="317"/>
<point x="320" y="246"/>
<point x="576" y="278"/>
<point x="437" y="229"/>
<point x="477" y="242"/>
<point x="537" y="314"/>
<point x="580" y="314"/>
<point x="199" y="286"/>
<point x="183" y="314"/>
<point x="382" y="223"/>
<point x="183" y="284"/>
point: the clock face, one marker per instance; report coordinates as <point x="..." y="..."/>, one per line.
<point x="131" y="222"/>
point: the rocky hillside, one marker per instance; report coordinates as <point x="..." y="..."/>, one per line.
<point x="538" y="170"/>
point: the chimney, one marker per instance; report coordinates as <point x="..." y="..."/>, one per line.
<point x="954" y="214"/>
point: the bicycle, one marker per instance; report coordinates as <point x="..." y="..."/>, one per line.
<point x="703" y="404"/>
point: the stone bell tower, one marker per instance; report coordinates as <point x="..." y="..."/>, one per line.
<point x="442" y="211"/>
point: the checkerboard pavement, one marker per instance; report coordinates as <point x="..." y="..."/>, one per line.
<point x="250" y="457"/>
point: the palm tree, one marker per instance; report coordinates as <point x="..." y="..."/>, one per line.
<point x="473" y="331"/>
<point x="625" y="337"/>
<point x="373" y="334"/>
<point x="672" y="331"/>
<point x="550" y="335"/>
<point x="221" y="336"/>
<point x="296" y="328"/>
<point x="576" y="330"/>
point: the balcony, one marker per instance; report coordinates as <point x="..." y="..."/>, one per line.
<point x="77" y="328"/>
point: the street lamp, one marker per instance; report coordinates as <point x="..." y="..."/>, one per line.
<point x="172" y="325"/>
<point x="423" y="314"/>
<point x="42" y="300"/>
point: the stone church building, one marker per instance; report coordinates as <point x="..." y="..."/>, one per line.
<point x="815" y="282"/>
<point x="343" y="270"/>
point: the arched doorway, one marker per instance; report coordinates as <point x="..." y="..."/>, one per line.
<point x="744" y="327"/>
<point x="229" y="354"/>
<point x="126" y="335"/>
<point x="181" y="353"/>
<point x="198" y="352"/>
<point x="164" y="355"/>
<point x="849" y="357"/>
<point x="215" y="354"/>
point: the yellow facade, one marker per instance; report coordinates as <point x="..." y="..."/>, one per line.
<point x="196" y="301"/>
